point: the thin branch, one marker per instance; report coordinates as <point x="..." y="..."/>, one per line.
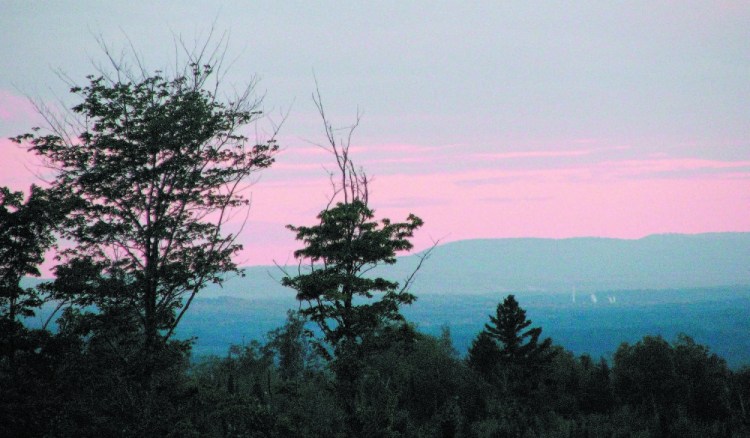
<point x="52" y="315"/>
<point x="422" y="258"/>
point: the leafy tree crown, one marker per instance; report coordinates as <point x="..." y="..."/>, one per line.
<point x="153" y="167"/>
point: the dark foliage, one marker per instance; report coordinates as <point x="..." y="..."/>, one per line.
<point x="25" y="234"/>
<point x="151" y="172"/>
<point x="148" y="169"/>
<point x="509" y="354"/>
<point x="358" y="315"/>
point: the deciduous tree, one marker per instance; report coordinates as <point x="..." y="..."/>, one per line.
<point x="156" y="165"/>
<point x="25" y="234"/>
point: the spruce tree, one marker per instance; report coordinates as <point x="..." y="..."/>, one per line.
<point x="518" y="346"/>
<point x="522" y="357"/>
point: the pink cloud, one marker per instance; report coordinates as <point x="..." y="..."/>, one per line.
<point x="315" y="151"/>
<point x="281" y="165"/>
<point x="534" y="154"/>
<point x="665" y="166"/>
<point x="607" y="170"/>
<point x="401" y="160"/>
<point x="405" y="148"/>
<point x="548" y="153"/>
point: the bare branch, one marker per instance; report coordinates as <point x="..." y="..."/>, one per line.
<point x="423" y="257"/>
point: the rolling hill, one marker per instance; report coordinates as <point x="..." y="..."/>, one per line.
<point x="552" y="265"/>
<point x="588" y="294"/>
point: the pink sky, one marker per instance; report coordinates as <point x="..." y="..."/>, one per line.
<point x="507" y="120"/>
<point x="591" y="189"/>
<point x="626" y="198"/>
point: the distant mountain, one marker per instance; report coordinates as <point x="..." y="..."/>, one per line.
<point x="553" y="265"/>
<point x="666" y="284"/>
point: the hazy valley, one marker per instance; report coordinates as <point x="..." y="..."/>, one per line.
<point x="588" y="294"/>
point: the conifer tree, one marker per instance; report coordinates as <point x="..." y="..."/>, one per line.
<point x="518" y="346"/>
<point x="521" y="356"/>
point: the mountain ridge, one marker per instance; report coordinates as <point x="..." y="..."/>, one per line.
<point x="517" y="265"/>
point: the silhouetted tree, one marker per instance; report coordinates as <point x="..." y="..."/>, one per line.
<point x="702" y="377"/>
<point x="155" y="164"/>
<point x="644" y="373"/>
<point x="347" y="243"/>
<point x="339" y="251"/>
<point x="520" y="349"/>
<point x="291" y="346"/>
<point x="25" y="234"/>
<point x="348" y="306"/>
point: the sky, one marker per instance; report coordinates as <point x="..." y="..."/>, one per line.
<point x="487" y="120"/>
